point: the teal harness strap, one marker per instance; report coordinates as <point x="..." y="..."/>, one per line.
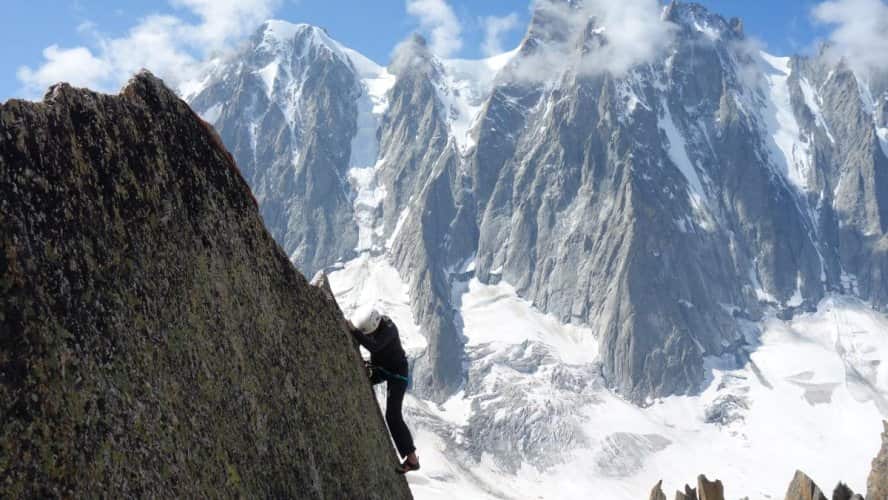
<point x="389" y="375"/>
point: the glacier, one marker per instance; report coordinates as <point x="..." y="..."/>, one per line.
<point x="810" y="395"/>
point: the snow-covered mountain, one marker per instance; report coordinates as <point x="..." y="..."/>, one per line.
<point x="614" y="275"/>
<point x="299" y="111"/>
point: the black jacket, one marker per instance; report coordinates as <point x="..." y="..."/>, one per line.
<point x="384" y="345"/>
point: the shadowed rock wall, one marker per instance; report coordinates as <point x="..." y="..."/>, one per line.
<point x="154" y="340"/>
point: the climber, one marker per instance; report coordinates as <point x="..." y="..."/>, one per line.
<point x="388" y="363"/>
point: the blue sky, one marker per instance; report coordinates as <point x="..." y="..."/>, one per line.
<point x="372" y="27"/>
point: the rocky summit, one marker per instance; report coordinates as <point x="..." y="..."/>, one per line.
<point x="156" y="341"/>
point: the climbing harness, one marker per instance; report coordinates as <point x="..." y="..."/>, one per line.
<point x="386" y="375"/>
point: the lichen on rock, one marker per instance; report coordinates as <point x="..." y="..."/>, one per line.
<point x="154" y="339"/>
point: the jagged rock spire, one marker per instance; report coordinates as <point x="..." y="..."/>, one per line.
<point x="709" y="490"/>
<point x="688" y="494"/>
<point x="877" y="485"/>
<point x="803" y="488"/>
<point x="706" y="490"/>
<point x="843" y="492"/>
<point x="657" y="492"/>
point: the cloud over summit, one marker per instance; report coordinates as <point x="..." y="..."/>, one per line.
<point x="859" y="31"/>
<point x="169" y="46"/>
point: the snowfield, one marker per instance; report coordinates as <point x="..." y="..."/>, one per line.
<point x="535" y="421"/>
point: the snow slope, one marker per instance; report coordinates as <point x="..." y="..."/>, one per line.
<point x="809" y="395"/>
<point x="365" y="163"/>
<point x="678" y="153"/>
<point x="883" y="139"/>
<point x="789" y="153"/>
<point x="371" y="280"/>
<point x="464" y="88"/>
<point x="494" y="314"/>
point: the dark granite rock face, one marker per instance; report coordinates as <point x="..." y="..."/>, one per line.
<point x="154" y="340"/>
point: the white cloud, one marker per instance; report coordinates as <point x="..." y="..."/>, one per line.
<point x="411" y="53"/>
<point x="634" y="30"/>
<point x="438" y="20"/>
<point x="167" y="45"/>
<point x="78" y="66"/>
<point x="860" y="31"/>
<point x="494" y="30"/>
<point x="225" y="21"/>
<point x="154" y="44"/>
<point x="633" y="33"/>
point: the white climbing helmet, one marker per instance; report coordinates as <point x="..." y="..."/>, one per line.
<point x="367" y="319"/>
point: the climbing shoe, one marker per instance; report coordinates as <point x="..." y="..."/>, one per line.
<point x="406" y="467"/>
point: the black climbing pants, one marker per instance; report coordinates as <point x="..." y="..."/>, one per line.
<point x="396" y="388"/>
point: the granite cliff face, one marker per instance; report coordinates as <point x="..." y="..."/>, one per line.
<point x="154" y="339"/>
<point x="663" y="206"/>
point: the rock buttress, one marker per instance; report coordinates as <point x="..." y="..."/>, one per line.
<point x="154" y="340"/>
